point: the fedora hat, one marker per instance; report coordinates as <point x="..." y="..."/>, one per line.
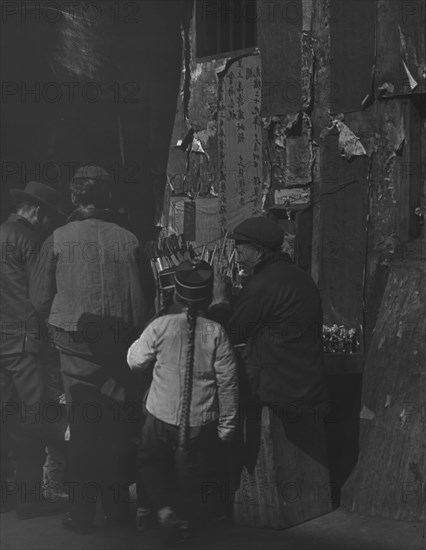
<point x="38" y="194"/>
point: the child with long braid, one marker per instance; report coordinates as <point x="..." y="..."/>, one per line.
<point x="192" y="400"/>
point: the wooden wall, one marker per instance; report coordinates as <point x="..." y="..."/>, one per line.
<point x="347" y="144"/>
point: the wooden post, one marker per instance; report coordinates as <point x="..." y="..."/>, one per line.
<point x="388" y="481"/>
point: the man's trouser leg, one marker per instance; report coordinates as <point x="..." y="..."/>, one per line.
<point x="85" y="415"/>
<point x="113" y="452"/>
<point x="9" y="418"/>
<point x="22" y="386"/>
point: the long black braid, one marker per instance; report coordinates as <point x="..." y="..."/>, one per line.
<point x="187" y="390"/>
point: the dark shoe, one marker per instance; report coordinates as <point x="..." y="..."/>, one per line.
<point x="144" y="519"/>
<point x="70" y="525"/>
<point x="175" y="530"/>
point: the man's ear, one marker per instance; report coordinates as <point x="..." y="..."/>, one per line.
<point x="73" y="199"/>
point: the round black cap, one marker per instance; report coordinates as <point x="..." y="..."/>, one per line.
<point x="194" y="280"/>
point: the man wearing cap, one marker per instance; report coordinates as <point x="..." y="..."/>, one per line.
<point x="278" y="316"/>
<point x="90" y="289"/>
<point x="21" y="344"/>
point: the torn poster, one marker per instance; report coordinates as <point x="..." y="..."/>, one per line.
<point x="240" y="141"/>
<point x="350" y="145"/>
<point x="289" y="149"/>
<point x="299" y="157"/>
<point x="202" y="105"/>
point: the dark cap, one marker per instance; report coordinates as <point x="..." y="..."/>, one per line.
<point x="92" y="172"/>
<point x="194" y="280"/>
<point x="260" y="231"/>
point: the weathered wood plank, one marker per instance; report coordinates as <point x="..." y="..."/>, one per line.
<point x="290" y="482"/>
<point x="389" y="479"/>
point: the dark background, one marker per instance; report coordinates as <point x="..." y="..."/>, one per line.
<point x="96" y="85"/>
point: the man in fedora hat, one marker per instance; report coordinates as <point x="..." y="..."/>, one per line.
<point x="21" y="374"/>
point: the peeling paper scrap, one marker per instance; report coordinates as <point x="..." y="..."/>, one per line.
<point x="388" y="400"/>
<point x="293" y="120"/>
<point x="411" y="80"/>
<point x="197" y="147"/>
<point x="350" y="145"/>
<point x="279" y="142"/>
<point x="402" y="41"/>
<point x="399" y="146"/>
<point x="228" y="61"/>
<point x="366" y="413"/>
<point x="222" y="67"/>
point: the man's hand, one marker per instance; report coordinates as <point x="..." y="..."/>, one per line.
<point x="222" y="287"/>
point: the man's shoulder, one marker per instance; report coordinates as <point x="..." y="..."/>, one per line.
<point x="125" y="232"/>
<point x="113" y="227"/>
<point x="87" y="225"/>
<point x="12" y="230"/>
<point x="284" y="270"/>
<point x="278" y="276"/>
